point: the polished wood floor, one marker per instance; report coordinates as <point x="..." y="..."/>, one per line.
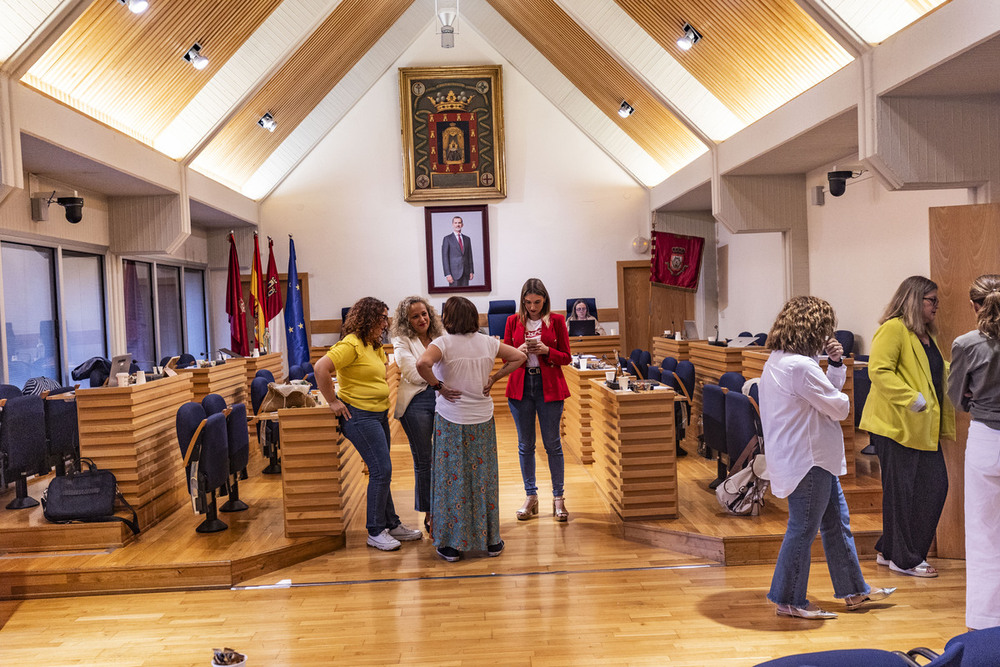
<point x="561" y="594"/>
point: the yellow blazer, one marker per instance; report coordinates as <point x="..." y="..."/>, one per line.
<point x="899" y="369"/>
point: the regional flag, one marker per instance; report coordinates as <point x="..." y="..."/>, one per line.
<point x="256" y="298"/>
<point x="235" y="307"/>
<point x="272" y="291"/>
<point x="676" y="260"/>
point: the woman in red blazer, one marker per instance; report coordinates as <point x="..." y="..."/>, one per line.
<point x="538" y="388"/>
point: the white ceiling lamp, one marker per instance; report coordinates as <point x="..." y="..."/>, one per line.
<point x="268" y="123"/>
<point x="447" y="14"/>
<point x="194" y="57"/>
<point x="690" y="38"/>
<point x="625" y="110"/>
<point x="135" y="6"/>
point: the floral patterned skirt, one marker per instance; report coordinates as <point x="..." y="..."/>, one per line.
<point x="465" y="493"/>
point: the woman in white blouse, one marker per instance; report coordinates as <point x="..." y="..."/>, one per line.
<point x="415" y="325"/>
<point x="800" y="410"/>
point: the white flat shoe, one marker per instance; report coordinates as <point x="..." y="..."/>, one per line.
<point x="857" y="601"/>
<point x="880" y="559"/>
<point x="812" y="612"/>
<point x="925" y="570"/>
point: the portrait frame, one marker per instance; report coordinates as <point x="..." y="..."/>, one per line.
<point x="442" y="247"/>
<point x="453" y="133"/>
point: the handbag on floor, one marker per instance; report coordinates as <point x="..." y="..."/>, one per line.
<point x="742" y="492"/>
<point x="87" y="496"/>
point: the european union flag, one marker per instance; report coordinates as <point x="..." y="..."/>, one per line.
<point x="295" y="321"/>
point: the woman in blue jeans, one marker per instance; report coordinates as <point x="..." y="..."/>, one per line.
<point x="801" y="409"/>
<point x="362" y="404"/>
<point x="538" y="389"/>
<point x="414" y="327"/>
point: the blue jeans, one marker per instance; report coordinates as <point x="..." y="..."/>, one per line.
<point x="549" y="413"/>
<point x="817" y="503"/>
<point x="369" y="433"/>
<point x="418" y="424"/>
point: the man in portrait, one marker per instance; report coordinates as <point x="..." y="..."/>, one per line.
<point x="456" y="256"/>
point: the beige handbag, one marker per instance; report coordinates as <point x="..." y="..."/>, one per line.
<point x="295" y="394"/>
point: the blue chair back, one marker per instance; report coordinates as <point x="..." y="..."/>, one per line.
<point x="296" y="372"/>
<point x="713" y="406"/>
<point x="266" y="374"/>
<point x="22" y="434"/>
<point x="668" y="363"/>
<point x="732" y="381"/>
<point x="740" y="427"/>
<point x="846" y="339"/>
<point x="9" y="391"/>
<point x="258" y="390"/>
<point x="343" y="314"/>
<point x="981" y="647"/>
<point x="238" y="438"/>
<point x="213" y="443"/>
<point x="62" y="430"/>
<point x="213" y="403"/>
<point x="869" y="657"/>
<point x="589" y="300"/>
<point x="743" y="334"/>
<point x="685" y="371"/>
<point x="653" y="373"/>
<point x="307" y="367"/>
<point x="497" y="314"/>
<point x="761" y="339"/>
<point x="186" y="361"/>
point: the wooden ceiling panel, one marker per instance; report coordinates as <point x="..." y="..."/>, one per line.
<point x="241" y="147"/>
<point x="753" y="56"/>
<point x="602" y="79"/>
<point x="130" y="67"/>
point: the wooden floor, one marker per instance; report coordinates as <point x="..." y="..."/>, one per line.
<point x="561" y="594"/>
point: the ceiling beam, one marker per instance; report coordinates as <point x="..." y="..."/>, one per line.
<point x="835" y="26"/>
<point x="44" y="37"/>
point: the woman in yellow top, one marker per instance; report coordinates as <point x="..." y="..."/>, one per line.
<point x="362" y="405"/>
<point x="907" y="414"/>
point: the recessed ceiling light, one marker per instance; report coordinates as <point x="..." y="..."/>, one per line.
<point x="691" y="36"/>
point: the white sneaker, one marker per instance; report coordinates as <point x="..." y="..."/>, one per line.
<point x="404" y="534"/>
<point x="384" y="541"/>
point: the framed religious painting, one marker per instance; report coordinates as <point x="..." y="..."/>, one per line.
<point x="458" y="249"/>
<point x="452" y="123"/>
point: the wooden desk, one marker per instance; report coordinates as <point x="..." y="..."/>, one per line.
<point x="228" y="380"/>
<point x="669" y="347"/>
<point x="271" y="362"/>
<point x="753" y="366"/>
<point x="132" y="432"/>
<point x="710" y="362"/>
<point x="577" y="430"/>
<point x="598" y="346"/>
<point x="322" y="484"/>
<point x="635" y="463"/>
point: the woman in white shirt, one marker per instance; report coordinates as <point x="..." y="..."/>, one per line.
<point x="801" y="409"/>
<point x="415" y="325"/>
<point x="465" y="492"/>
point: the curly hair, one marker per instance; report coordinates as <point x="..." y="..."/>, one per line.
<point x="803" y="326"/>
<point x="908" y="304"/>
<point x="460" y="316"/>
<point x="401" y="321"/>
<point x="534" y="286"/>
<point x="363" y="320"/>
<point x="985" y="293"/>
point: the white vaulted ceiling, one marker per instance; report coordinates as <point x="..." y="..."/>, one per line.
<point x="307" y="62"/>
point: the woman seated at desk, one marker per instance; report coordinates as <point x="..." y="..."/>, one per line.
<point x="582" y="313"/>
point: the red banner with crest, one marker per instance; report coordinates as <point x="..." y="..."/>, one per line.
<point x="676" y="260"/>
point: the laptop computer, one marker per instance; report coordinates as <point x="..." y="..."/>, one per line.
<point x="690" y="330"/>
<point x="121" y="363"/>
<point x="582" y="327"/>
<point x="742" y="341"/>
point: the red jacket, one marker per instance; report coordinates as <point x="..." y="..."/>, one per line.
<point x="556" y="337"/>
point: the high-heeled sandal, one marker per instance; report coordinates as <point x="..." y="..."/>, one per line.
<point x="559" y="509"/>
<point x="528" y="509"/>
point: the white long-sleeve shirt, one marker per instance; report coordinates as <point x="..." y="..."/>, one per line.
<point x="800" y="411"/>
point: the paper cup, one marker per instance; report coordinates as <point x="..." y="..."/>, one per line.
<point x="677" y="336"/>
<point x="711" y="339"/>
<point x="122" y="379"/>
<point x="609" y="375"/>
<point x="583" y="364"/>
<point x="140" y="378"/>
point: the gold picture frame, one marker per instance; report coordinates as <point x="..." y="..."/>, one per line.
<point x="452" y="125"/>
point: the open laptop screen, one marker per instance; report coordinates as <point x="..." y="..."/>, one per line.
<point x="582" y="327"/>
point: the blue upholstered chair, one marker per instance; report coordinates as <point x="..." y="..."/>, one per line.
<point x="343" y="314"/>
<point x="761" y="339"/>
<point x="743" y="334"/>
<point x="238" y="447"/>
<point x="668" y="364"/>
<point x="732" y="381"/>
<point x="296" y="372"/>
<point x="22" y="446"/>
<point x="589" y="300"/>
<point x="9" y="391"/>
<point x="62" y="430"/>
<point x="639" y="361"/>
<point x="497" y="314"/>
<point x="654" y="373"/>
<point x="204" y="446"/>
<point x="267" y="431"/>
<point x="982" y="647"/>
<point x="740" y="428"/>
<point x="713" y="415"/>
<point x="266" y="374"/>
<point x="846" y="339"/>
<point x="869" y="657"/>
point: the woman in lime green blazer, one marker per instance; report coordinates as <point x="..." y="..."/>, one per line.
<point x="907" y="414"/>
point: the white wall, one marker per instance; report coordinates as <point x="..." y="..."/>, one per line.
<point x="756" y="275"/>
<point x="864" y="243"/>
<point x="569" y="215"/>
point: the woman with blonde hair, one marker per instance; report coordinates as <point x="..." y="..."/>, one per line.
<point x="414" y="326"/>
<point x="362" y="405"/>
<point x="538" y="390"/>
<point x="975" y="388"/>
<point x="907" y="414"/>
<point x="801" y="408"/>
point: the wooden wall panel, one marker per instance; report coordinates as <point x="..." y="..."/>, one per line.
<point x="964" y="243"/>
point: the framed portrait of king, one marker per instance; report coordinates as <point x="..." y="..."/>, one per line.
<point x="452" y="123"/>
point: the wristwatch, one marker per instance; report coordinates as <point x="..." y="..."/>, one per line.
<point x="437" y="387"/>
<point x="836" y="364"/>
